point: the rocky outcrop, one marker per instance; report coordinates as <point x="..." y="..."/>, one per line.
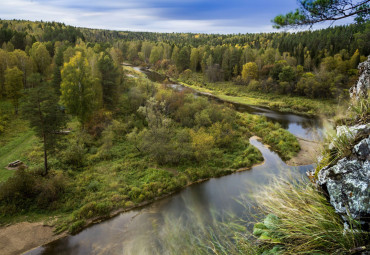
<point x="363" y="85"/>
<point x="347" y="181"/>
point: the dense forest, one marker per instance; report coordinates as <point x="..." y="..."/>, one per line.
<point x="72" y="114"/>
<point x="96" y="136"/>
<point x="315" y="64"/>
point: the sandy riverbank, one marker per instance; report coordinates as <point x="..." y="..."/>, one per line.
<point x="307" y="155"/>
<point x="21" y="237"/>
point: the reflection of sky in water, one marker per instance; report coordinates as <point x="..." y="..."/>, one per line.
<point x="137" y="232"/>
<point x="300" y="126"/>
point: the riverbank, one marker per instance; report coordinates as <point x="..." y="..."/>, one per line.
<point x="239" y="94"/>
<point x="289" y="104"/>
<point x="308" y="154"/>
<point x="25" y="236"/>
<point x="309" y="149"/>
<point x="116" y="170"/>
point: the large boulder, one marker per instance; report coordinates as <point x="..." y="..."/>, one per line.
<point x="348" y="183"/>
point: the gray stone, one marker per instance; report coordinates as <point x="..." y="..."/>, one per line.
<point x="363" y="83"/>
<point x="362" y="149"/>
<point x="350" y="132"/>
<point x="348" y="182"/>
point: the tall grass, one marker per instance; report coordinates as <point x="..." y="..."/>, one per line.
<point x="197" y="238"/>
<point x="360" y="110"/>
<point x="299" y="220"/>
<point x="307" y="222"/>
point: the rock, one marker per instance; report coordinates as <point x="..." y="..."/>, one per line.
<point x="351" y="133"/>
<point x="363" y="84"/>
<point x="348" y="180"/>
<point x="348" y="183"/>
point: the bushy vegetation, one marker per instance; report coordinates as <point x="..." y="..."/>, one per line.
<point x="229" y="91"/>
<point x="117" y="142"/>
<point x="155" y="142"/>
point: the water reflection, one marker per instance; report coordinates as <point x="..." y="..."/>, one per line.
<point x="138" y="231"/>
<point x="301" y="126"/>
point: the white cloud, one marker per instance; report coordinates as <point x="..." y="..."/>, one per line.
<point x="118" y="15"/>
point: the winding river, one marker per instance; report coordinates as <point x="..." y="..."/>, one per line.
<point x="140" y="230"/>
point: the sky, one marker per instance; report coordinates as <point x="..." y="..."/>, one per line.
<point x="197" y="16"/>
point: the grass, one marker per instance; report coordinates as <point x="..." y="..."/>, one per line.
<point x="16" y="140"/>
<point x="305" y="222"/>
<point x="107" y="173"/>
<point x="240" y="94"/>
<point x="280" y="140"/>
<point x="298" y="220"/>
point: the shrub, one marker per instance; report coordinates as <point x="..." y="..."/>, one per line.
<point x="93" y="209"/>
<point x="76" y="226"/>
<point x="25" y="190"/>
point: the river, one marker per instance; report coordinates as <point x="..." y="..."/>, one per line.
<point x="139" y="230"/>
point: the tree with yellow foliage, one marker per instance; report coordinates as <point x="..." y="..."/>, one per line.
<point x="250" y="71"/>
<point x="78" y="87"/>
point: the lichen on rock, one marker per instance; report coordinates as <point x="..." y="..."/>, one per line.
<point x="363" y="84"/>
<point x="347" y="181"/>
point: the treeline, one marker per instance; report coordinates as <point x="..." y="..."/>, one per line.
<point x="266" y="69"/>
<point x="333" y="40"/>
<point x="22" y="34"/>
<point x="316" y="64"/>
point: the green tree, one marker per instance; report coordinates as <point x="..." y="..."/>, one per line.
<point x="156" y="54"/>
<point x="77" y="88"/>
<point x="41" y="57"/>
<point x="109" y="79"/>
<point x="3" y="66"/>
<point x="183" y="58"/>
<point x="46" y="117"/>
<point x="58" y="63"/>
<point x="24" y="64"/>
<point x="315" y="11"/>
<point x="355" y="60"/>
<point x="194" y="59"/>
<point x="14" y="86"/>
<point x="288" y="74"/>
<point x="250" y="71"/>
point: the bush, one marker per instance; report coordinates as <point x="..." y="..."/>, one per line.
<point x="25" y="190"/>
<point x="93" y="209"/>
<point x="76" y="226"/>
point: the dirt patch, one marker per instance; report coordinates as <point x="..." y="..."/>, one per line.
<point x="307" y="155"/>
<point x="21" y="237"/>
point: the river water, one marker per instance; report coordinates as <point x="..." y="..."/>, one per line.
<point x="140" y="230"/>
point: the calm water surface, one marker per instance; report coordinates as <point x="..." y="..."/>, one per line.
<point x="138" y="231"/>
<point x="300" y="126"/>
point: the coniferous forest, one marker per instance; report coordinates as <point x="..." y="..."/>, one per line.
<point x="96" y="136"/>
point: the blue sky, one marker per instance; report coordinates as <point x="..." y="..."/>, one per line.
<point x="198" y="16"/>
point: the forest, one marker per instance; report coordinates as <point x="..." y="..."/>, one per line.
<point x="95" y="136"/>
<point x="112" y="141"/>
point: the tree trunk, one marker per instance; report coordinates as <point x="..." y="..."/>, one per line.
<point x="45" y="157"/>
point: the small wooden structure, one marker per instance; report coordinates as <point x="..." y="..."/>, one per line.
<point x="15" y="165"/>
